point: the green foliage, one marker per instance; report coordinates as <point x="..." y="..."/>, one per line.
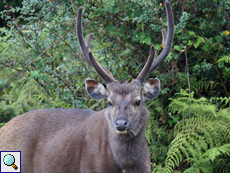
<point x="220" y="101"/>
<point x="201" y="140"/>
<point x="224" y="58"/>
<point x="41" y="67"/>
<point x="6" y="112"/>
<point x="40" y="45"/>
<point x="157" y="134"/>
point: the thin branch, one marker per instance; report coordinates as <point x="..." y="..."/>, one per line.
<point x="64" y="35"/>
<point x="30" y="63"/>
<point x="103" y="49"/>
<point x="57" y="41"/>
<point x="91" y="20"/>
<point x="41" y="85"/>
<point x="73" y="8"/>
<point x="10" y="66"/>
<point x="174" y="65"/>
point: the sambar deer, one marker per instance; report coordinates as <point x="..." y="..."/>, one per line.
<point x="84" y="141"/>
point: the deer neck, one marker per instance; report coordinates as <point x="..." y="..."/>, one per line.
<point x="127" y="151"/>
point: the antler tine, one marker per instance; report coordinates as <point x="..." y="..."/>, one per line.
<point x="84" y="46"/>
<point x="105" y="76"/>
<point x="145" y="71"/>
<point x="164" y="35"/>
<point x="88" y="41"/>
<point x="167" y="38"/>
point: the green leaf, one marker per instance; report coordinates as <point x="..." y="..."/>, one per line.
<point x="199" y="40"/>
<point x="111" y="2"/>
<point x="218" y="39"/>
<point x="190" y="42"/>
<point x="147" y="40"/>
<point x="101" y="58"/>
<point x="185" y="36"/>
<point x="205" y="47"/>
<point x="191" y="33"/>
<point x="176" y="47"/>
<point x="125" y="52"/>
<point x="141" y="35"/>
<point x="116" y="9"/>
<point x="124" y="75"/>
<point x="111" y="27"/>
<point x="134" y="38"/>
<point x="157" y="46"/>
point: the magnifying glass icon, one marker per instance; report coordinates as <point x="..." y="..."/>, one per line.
<point x="9" y="160"/>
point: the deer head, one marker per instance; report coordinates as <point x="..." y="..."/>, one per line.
<point x="127" y="113"/>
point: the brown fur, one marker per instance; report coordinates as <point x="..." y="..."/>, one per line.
<point x="74" y="140"/>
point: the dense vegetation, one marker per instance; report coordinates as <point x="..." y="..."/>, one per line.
<point x="189" y="128"/>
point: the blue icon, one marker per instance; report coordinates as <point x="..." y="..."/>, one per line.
<point x="9" y="160"/>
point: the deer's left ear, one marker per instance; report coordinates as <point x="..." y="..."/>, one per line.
<point x="151" y="88"/>
<point x="95" y="89"/>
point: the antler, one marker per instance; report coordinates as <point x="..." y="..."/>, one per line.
<point x="167" y="42"/>
<point x="145" y="71"/>
<point x="102" y="71"/>
<point x="150" y="64"/>
<point x="167" y="38"/>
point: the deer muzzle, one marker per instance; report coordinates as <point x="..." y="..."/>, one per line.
<point x="121" y="125"/>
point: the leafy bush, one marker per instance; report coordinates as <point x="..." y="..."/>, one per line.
<point x="41" y="66"/>
<point x="40" y="47"/>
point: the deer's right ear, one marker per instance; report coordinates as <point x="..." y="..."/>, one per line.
<point x="95" y="89"/>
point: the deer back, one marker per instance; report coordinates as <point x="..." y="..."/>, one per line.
<point x="64" y="140"/>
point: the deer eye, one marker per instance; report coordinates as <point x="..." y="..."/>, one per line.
<point x="137" y="103"/>
<point x="110" y="104"/>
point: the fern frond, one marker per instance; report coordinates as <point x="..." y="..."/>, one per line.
<point x="201" y="139"/>
<point x="225" y="113"/>
<point x="214" y="152"/>
<point x="225" y="58"/>
<point x="203" y="85"/>
<point x="11" y="51"/>
<point x="221" y="100"/>
<point x="221" y="165"/>
<point x="26" y="97"/>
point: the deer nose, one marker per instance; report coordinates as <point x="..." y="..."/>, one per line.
<point x="121" y="123"/>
